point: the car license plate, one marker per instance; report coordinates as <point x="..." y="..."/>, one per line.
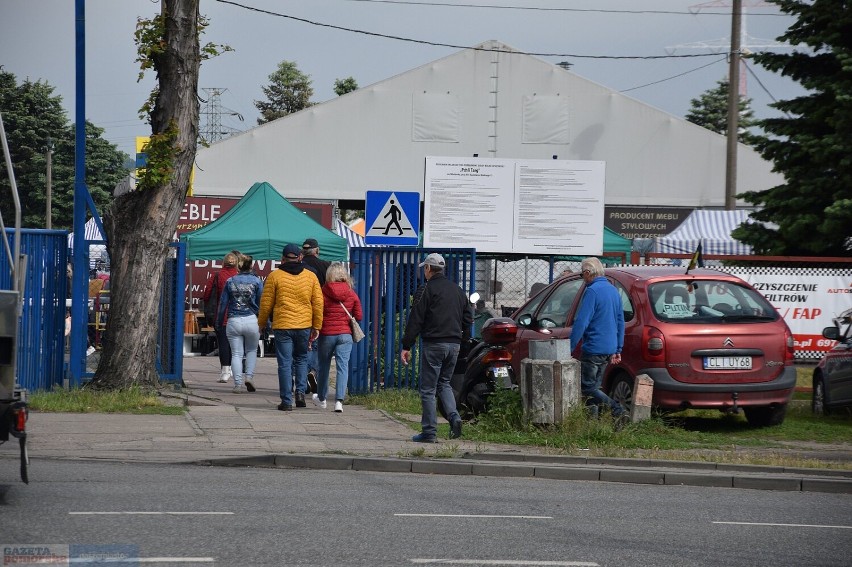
<point x="501" y="372"/>
<point x="727" y="363"/>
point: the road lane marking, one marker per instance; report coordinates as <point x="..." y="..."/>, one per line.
<point x="503" y="562"/>
<point x="130" y="513"/>
<point x="474" y="516"/>
<point x="787" y="525"/>
<point x="171" y="560"/>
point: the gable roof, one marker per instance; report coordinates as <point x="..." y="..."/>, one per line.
<point x="260" y="225"/>
<point x="489" y="101"/>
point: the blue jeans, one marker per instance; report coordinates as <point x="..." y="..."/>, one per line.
<point x="312" y="360"/>
<point x="438" y="360"/>
<point x="592" y="368"/>
<point x="291" y="350"/>
<point x="243" y="336"/>
<point x="339" y="346"/>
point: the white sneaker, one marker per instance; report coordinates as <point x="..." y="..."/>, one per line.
<point x="338" y="407"/>
<point x="320" y="404"/>
<point x="90" y="351"/>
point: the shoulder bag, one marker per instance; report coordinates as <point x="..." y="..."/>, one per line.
<point x="357" y="333"/>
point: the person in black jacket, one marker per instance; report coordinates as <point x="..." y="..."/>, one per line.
<point x="442" y="317"/>
<point x="311" y="260"/>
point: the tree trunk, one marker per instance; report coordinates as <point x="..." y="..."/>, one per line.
<point x="140" y="225"/>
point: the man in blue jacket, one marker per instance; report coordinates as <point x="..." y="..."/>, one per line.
<point x="442" y="317"/>
<point x="600" y="324"/>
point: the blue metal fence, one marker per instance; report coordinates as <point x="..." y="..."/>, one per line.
<point x="172" y="307"/>
<point x="42" y="325"/>
<point x="41" y="332"/>
<point x="385" y="280"/>
<point x="169" y="359"/>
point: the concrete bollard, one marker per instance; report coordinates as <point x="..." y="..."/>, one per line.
<point x="643" y="394"/>
<point x="549" y="389"/>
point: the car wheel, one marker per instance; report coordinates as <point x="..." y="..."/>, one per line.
<point x="765" y="416"/>
<point x="818" y="404"/>
<point x="622" y="391"/>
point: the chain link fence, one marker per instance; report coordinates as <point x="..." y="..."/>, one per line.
<point x="505" y="282"/>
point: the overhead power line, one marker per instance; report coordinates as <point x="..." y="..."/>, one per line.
<point x="674" y="76"/>
<point x="437" y="44"/>
<point x="543" y="9"/>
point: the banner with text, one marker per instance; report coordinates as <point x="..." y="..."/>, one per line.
<point x="807" y="299"/>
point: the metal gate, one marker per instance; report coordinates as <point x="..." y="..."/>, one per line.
<point x="169" y="357"/>
<point x="385" y="280"/>
<point x="41" y="336"/>
<point x="42" y="324"/>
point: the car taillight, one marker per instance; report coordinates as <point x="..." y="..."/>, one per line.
<point x="789" y="354"/>
<point x="19" y="417"/>
<point x="653" y="344"/>
<point x="497" y="355"/>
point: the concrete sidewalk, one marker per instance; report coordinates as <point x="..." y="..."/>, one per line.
<point x="224" y="428"/>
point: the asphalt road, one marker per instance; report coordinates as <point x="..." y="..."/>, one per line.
<point x="189" y="514"/>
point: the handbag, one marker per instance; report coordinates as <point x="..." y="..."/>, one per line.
<point x="357" y="333"/>
<point x="210" y="306"/>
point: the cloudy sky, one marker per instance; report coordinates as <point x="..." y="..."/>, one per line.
<point x="335" y="39"/>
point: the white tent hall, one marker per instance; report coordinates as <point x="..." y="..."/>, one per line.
<point x="486" y="101"/>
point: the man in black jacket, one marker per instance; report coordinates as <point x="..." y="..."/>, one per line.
<point x="311" y="260"/>
<point x="441" y="315"/>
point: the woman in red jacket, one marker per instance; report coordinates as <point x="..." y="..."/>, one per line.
<point x="212" y="293"/>
<point x="336" y="334"/>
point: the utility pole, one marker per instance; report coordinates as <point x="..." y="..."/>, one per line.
<point x="48" y="191"/>
<point x="733" y="108"/>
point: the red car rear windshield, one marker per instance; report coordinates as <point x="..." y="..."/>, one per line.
<point x="695" y="301"/>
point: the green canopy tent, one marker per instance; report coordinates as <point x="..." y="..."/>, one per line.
<point x="260" y="225"/>
<point x="614" y="242"/>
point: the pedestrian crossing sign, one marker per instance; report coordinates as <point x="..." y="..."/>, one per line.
<point x="392" y="218"/>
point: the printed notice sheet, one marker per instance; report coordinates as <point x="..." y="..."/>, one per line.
<point x="518" y="206"/>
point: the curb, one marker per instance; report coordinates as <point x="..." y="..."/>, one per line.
<point x="599" y="469"/>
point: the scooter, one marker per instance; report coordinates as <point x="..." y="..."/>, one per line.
<point x="484" y="366"/>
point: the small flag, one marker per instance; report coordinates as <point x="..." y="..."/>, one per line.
<point x="696" y="261"/>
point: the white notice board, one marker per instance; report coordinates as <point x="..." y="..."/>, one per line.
<point x="520" y="206"/>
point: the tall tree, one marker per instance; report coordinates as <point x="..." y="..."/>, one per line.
<point x="812" y="145"/>
<point x="289" y="90"/>
<point x="343" y="86"/>
<point x="33" y="117"/>
<point x="140" y="224"/>
<point x="710" y="110"/>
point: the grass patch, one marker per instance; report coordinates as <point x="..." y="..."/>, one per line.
<point x="689" y="435"/>
<point x="84" y="400"/>
<point x="395" y="402"/>
<point x="804" y="376"/>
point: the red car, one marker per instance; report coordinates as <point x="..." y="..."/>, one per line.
<point x="707" y="339"/>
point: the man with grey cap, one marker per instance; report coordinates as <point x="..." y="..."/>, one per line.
<point x="442" y="317"/>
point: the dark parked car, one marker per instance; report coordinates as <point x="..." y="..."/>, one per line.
<point x="707" y="339"/>
<point x="833" y="375"/>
